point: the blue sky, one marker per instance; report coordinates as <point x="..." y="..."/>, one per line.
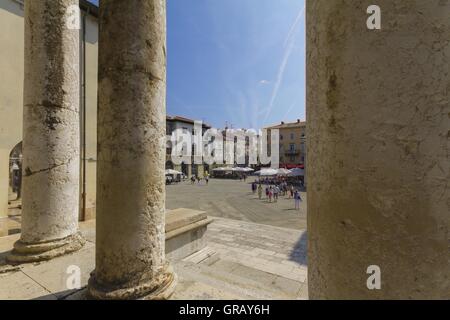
<point x="236" y="61"/>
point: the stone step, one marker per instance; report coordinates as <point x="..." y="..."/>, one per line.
<point x="278" y="286"/>
<point x="236" y="279"/>
<point x="206" y="254"/>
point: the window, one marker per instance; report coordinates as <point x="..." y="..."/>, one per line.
<point x="292" y="147"/>
<point x="292" y="136"/>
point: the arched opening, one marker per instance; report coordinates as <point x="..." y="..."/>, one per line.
<point x="15" y="187"/>
<point x="15" y="172"/>
<point x="169" y="165"/>
<point x="195" y="170"/>
<point x="184" y="169"/>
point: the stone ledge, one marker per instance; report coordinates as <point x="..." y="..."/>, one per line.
<point x="188" y="227"/>
<point x="181" y="217"/>
<point x="185" y="233"/>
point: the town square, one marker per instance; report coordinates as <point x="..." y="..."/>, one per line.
<point x="224" y="150"/>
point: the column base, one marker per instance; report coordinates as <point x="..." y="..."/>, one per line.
<point x="35" y="252"/>
<point x="146" y="291"/>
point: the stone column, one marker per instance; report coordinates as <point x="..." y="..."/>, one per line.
<point x="378" y="117"/>
<point x="4" y="190"/>
<point x="130" y="244"/>
<point x="51" y="142"/>
<point x="201" y="170"/>
<point x="189" y="170"/>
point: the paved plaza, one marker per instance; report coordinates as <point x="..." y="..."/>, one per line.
<point x="255" y="249"/>
<point x="243" y="260"/>
<point x="230" y="199"/>
<point x="233" y="199"/>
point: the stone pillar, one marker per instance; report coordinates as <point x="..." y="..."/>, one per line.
<point x="189" y="170"/>
<point x="4" y="190"/>
<point x="201" y="170"/>
<point x="51" y="141"/>
<point x="130" y="244"/>
<point x="378" y="135"/>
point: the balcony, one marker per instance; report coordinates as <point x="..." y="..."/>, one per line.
<point x="292" y="152"/>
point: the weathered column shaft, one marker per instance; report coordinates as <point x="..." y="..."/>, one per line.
<point x="378" y="117"/>
<point x="130" y="256"/>
<point x="51" y="141"/>
<point x="4" y="190"/>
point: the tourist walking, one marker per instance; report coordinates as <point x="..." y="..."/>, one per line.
<point x="270" y="193"/>
<point x="297" y="199"/>
<point x="276" y="192"/>
<point x="260" y="191"/>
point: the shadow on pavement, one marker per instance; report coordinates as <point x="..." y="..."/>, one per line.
<point x="300" y="251"/>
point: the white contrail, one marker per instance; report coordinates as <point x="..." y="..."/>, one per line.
<point x="289" y="45"/>
<point x="294" y="26"/>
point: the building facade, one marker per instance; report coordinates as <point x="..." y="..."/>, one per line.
<point x="292" y="143"/>
<point x="187" y="125"/>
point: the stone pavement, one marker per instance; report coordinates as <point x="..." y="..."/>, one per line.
<point x="252" y="261"/>
<point x="221" y="198"/>
<point x="14" y="214"/>
<point x="234" y="200"/>
<point x="242" y="261"/>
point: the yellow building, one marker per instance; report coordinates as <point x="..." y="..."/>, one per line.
<point x="292" y="143"/>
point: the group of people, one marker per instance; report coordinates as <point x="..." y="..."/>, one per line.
<point x="277" y="180"/>
<point x="273" y="192"/>
<point x="199" y="180"/>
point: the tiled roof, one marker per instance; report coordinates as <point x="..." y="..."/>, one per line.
<point x="287" y="125"/>
<point x="185" y="120"/>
